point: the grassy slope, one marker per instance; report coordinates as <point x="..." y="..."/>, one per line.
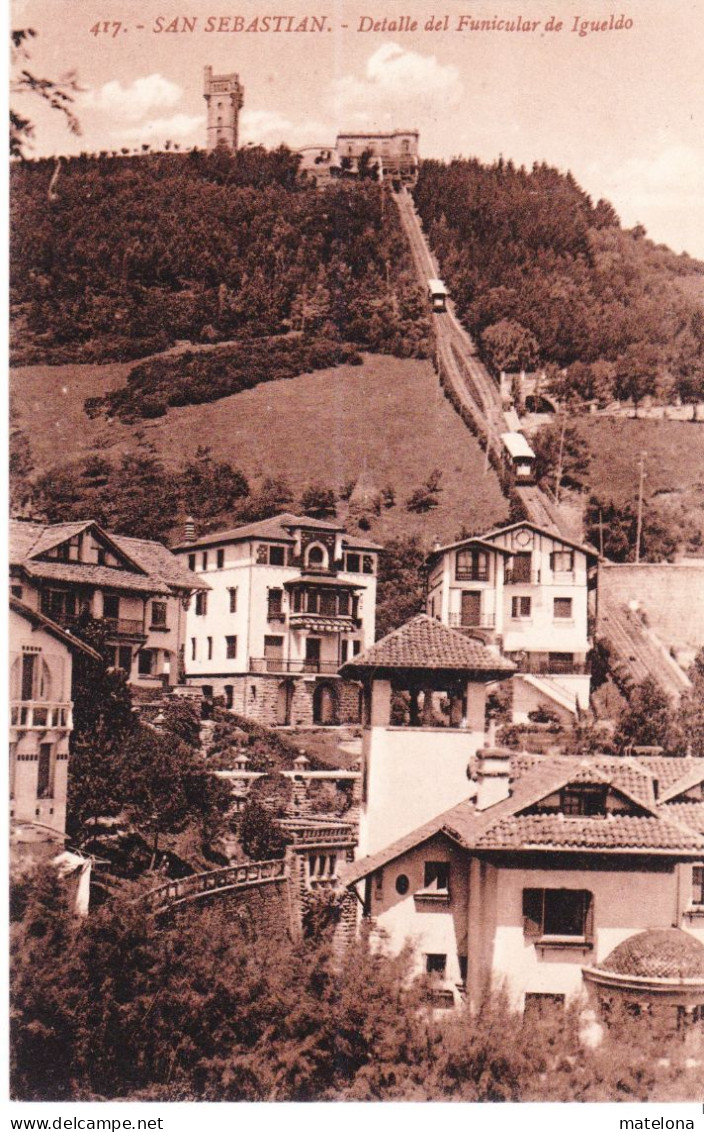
<point x="320" y="427"/>
<point x="674" y="460"/>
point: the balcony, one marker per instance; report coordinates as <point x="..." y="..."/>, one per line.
<point x="542" y="666"/>
<point x="33" y="715"/>
<point x="522" y="577"/>
<point x="293" y="667"/>
<point x="125" y="627"/>
<point x="324" y="622"/>
<point x="483" y="621"/>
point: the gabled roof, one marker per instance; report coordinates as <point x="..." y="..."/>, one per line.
<point x="507" y="826"/>
<point x="424" y="643"/>
<point x="158" y="561"/>
<point x="41" y="622"/>
<point x="472" y="540"/>
<point x="278" y="528"/>
<point x="151" y="567"/>
<point x="585" y="547"/>
<point x="693" y="777"/>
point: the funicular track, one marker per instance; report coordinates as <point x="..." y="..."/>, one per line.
<point x="477" y="399"/>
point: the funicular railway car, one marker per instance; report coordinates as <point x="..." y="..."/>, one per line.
<point x="437" y="293"/>
<point x="520" y="455"/>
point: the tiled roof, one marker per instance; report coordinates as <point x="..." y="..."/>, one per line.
<point x="686" y="813"/>
<point x="668" y="770"/>
<point x="660" y="953"/>
<point x="161" y="569"/>
<point x="693" y="777"/>
<point x="506" y="826"/>
<point x="425" y="643"/>
<point x="160" y="563"/>
<point x="89" y="573"/>
<point x="473" y="540"/>
<point x="278" y="527"/>
<point x="618" y="831"/>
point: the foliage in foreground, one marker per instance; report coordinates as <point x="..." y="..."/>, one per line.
<point x="111" y="1007"/>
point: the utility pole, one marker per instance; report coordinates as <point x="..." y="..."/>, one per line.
<point x="558" y="473"/>
<point x="601" y="532"/>
<point x="639" y="525"/>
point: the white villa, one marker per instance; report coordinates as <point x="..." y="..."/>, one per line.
<point x="527" y="590"/>
<point x="289" y="600"/>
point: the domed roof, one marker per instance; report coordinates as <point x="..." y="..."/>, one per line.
<point x="663" y="953"/>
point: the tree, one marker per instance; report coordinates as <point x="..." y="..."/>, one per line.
<point x="424" y="498"/>
<point x="318" y="501"/>
<point x="646" y="721"/>
<point x="401" y="583"/>
<point x="508" y="346"/>
<point x="637" y="373"/>
<point x="209" y="487"/>
<point x="562" y="456"/>
<point x="690" y="714"/>
<point x="20" y="466"/>
<point x="261" y="836"/>
<point x="58" y="95"/>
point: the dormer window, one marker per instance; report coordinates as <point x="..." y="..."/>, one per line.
<point x="583" y="800"/>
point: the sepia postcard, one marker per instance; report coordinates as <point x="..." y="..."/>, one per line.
<point x="356" y="631"/>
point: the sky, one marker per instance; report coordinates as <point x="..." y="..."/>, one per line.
<point x="622" y="108"/>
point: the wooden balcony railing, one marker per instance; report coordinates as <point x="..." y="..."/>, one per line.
<point x="464" y="621"/>
<point x="125" y="626"/>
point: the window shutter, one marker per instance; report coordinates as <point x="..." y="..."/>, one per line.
<point x="588" y="916"/>
<point x="552" y="560"/>
<point x="532" y="912"/>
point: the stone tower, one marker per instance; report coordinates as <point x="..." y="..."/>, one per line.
<point x="224" y="96"/>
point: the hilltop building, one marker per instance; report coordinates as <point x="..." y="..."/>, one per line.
<point x="290" y="599"/>
<point x="394" y="155"/>
<point x="224" y="98"/>
<point x="136" y="587"/>
<point x="526" y="590"/>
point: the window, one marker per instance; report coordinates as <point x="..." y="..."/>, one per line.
<point x="277" y="555"/>
<point x="520" y="608"/>
<point x="111" y="607"/>
<point x="353" y="563"/>
<point x="521" y="565"/>
<point x="698" y="885"/>
<point x="220" y="558"/>
<point x="230" y="648"/>
<point x="274" y="605"/>
<point x="344" y="651"/>
<point x="201" y="604"/>
<point x="145" y="662"/>
<point x="210" y="648"/>
<point x="436" y="964"/>
<point x="583" y="800"/>
<point x="436" y="876"/>
<point x="562" y="608"/>
<point x="44" y="784"/>
<point x="193" y="648"/>
<point x="16" y="591"/>
<point x="402" y="884"/>
<point x="356" y="648"/>
<point x="317" y="558"/>
<point x="229" y="695"/>
<point x="124" y="658"/>
<point x="191" y="561"/>
<point x="472" y="565"/>
<point x="562" y="561"/>
<point x="561" y="662"/>
<point x="158" y="615"/>
<point x="368" y="564"/>
<point x="561" y="914"/>
<point x="204" y="560"/>
<point x="233" y="599"/>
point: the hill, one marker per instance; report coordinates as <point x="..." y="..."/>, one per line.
<point x="386" y="420"/>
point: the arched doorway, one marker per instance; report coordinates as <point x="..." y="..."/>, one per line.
<point x="325" y="705"/>
<point x="284" y="701"/>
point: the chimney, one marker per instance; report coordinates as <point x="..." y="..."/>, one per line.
<point x="493" y="775"/>
<point x="189" y="530"/>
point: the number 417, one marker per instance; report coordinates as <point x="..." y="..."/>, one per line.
<point x="106" y="27"/>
